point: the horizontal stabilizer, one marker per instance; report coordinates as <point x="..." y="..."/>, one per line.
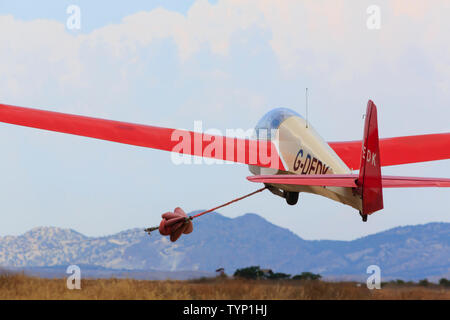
<point x="349" y="180"/>
<point x="329" y="180"/>
<point x="414" y="182"/>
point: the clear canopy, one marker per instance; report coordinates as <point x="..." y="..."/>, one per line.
<point x="271" y="121"/>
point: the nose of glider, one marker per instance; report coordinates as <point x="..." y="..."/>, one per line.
<point x="175" y="224"/>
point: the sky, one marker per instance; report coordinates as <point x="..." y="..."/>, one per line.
<point x="225" y="63"/>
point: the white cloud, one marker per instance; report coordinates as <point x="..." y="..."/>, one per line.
<point x="307" y="36"/>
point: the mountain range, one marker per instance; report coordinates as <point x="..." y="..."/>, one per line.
<point x="408" y="253"/>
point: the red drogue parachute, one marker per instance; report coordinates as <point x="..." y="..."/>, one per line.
<point x="175" y="224"/>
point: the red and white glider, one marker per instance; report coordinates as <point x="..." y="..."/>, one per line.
<point x="289" y="157"/>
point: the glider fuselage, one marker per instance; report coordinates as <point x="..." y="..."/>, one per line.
<point x="304" y="152"/>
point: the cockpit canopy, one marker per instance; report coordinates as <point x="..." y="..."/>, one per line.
<point x="271" y="121"/>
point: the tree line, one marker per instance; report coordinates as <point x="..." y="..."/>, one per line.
<point x="255" y="272"/>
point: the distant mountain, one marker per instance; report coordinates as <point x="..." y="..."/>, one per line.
<point x="410" y="253"/>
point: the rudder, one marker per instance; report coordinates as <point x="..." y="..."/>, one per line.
<point x="369" y="181"/>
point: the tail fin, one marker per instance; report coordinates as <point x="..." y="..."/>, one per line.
<point x="369" y="181"/>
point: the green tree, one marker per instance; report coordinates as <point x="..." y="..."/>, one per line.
<point x="253" y="272"/>
<point x="424" y="282"/>
<point x="307" y="276"/>
<point x="278" y="276"/>
<point x="444" y="282"/>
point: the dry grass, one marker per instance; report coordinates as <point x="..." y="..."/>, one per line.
<point x="19" y="286"/>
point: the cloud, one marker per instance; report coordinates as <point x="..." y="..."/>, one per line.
<point x="310" y="36"/>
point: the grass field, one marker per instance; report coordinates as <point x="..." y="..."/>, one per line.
<point x="19" y="286"/>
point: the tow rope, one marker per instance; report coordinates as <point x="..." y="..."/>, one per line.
<point x="178" y="222"/>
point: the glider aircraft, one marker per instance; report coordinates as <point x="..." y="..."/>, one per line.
<point x="287" y="155"/>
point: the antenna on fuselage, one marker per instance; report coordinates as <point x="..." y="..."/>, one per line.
<point x="306" y="97"/>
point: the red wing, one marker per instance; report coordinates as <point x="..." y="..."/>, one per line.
<point x="229" y="149"/>
<point x="398" y="150"/>
<point x="394" y="151"/>
<point x="348" y="180"/>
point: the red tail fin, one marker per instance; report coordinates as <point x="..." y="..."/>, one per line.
<point x="369" y="181"/>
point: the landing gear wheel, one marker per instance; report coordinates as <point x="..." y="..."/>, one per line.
<point x="291" y="197"/>
<point x="363" y="216"/>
